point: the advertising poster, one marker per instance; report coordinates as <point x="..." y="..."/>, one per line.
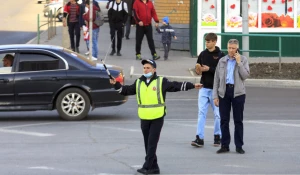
<point x="234" y="19"/>
<point x="280" y="15"/>
<point x="209" y="13"/>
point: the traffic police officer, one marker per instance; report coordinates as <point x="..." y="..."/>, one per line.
<point x="150" y="91"/>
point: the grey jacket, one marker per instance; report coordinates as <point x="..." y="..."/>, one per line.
<point x="241" y="73"/>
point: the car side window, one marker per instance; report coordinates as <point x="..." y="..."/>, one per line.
<point x="39" y="62"/>
<point x="7" y="60"/>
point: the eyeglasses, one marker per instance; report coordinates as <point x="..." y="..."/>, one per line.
<point x="233" y="41"/>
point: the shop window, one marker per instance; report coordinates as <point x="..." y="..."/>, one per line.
<point x="209" y="13"/>
<point x="264" y="15"/>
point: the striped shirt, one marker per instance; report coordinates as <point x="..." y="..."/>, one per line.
<point x="73" y="13"/>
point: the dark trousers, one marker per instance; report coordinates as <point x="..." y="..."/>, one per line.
<point x="151" y="132"/>
<point x="116" y="27"/>
<point x="167" y="47"/>
<point x="140" y="32"/>
<point x="237" y="104"/>
<point x="128" y="26"/>
<point x="74" y="30"/>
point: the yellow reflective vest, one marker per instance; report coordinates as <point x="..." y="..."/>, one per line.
<point x="151" y="104"/>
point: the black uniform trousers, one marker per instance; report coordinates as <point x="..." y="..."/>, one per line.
<point x="167" y="47"/>
<point x="116" y="27"/>
<point x="74" y="30"/>
<point x="140" y="32"/>
<point x="237" y="104"/>
<point x="151" y="131"/>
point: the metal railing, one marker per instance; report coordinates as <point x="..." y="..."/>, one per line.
<point x="259" y="35"/>
<point x="51" y="25"/>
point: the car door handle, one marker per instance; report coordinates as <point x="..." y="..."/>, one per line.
<point x="4" y="80"/>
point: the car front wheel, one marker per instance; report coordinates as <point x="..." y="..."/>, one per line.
<point x="73" y="104"/>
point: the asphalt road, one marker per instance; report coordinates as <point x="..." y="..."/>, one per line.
<point x="19" y="21"/>
<point x="110" y="141"/>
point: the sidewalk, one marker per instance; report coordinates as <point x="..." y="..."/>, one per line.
<point x="178" y="67"/>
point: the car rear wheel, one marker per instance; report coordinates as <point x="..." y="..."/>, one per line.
<point x="73" y="104"/>
<point x="60" y="17"/>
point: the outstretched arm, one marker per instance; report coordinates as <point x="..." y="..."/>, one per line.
<point x="174" y="86"/>
<point x="125" y="89"/>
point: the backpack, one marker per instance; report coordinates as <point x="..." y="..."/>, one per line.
<point x="99" y="21"/>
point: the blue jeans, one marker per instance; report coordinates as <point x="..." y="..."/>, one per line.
<point x="95" y="42"/>
<point x="204" y="99"/>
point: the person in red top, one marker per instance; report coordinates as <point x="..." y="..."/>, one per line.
<point x="71" y="18"/>
<point x="143" y="11"/>
<point x="96" y="29"/>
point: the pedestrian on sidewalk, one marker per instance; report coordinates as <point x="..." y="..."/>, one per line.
<point x="96" y="28"/>
<point x="83" y="10"/>
<point x="151" y="90"/>
<point x="229" y="91"/>
<point x="86" y="37"/>
<point x="143" y="11"/>
<point x="71" y="19"/>
<point x="206" y="65"/>
<point x="117" y="16"/>
<point x="167" y="32"/>
<point x="129" y="18"/>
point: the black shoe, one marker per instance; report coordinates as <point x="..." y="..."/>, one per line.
<point x="119" y="54"/>
<point x="165" y="58"/>
<point x="138" y="57"/>
<point x="153" y="171"/>
<point x="240" y="150"/>
<point x="198" y="142"/>
<point x="77" y="49"/>
<point x="142" y="170"/>
<point x="73" y="49"/>
<point x="127" y="38"/>
<point x="217" y="140"/>
<point x="112" y="52"/>
<point x="223" y="150"/>
<point x="155" y="57"/>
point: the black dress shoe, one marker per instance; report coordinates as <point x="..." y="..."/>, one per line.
<point x="119" y="54"/>
<point x="112" y="52"/>
<point x="127" y="38"/>
<point x="240" y="150"/>
<point x="153" y="171"/>
<point x="142" y="170"/>
<point x="223" y="150"/>
<point x="77" y="50"/>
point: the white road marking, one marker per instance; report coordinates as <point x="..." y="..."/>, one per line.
<point x="26" y="133"/>
<point x="41" y="168"/>
<point x="38" y="134"/>
<point x="28" y="125"/>
<point x="136" y="166"/>
<point x="274" y="123"/>
<point x="121" y="129"/>
<point x="236" y="166"/>
<point x="190" y="125"/>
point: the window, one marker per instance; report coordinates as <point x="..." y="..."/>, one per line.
<point x="39" y="62"/>
<point x="6" y="63"/>
<point x="209" y="13"/>
<point x="79" y="57"/>
<point x="264" y="16"/>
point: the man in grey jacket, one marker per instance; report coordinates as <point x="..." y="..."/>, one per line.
<point x="229" y="90"/>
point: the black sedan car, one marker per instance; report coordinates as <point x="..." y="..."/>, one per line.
<point x="42" y="77"/>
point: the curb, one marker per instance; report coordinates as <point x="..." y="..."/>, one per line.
<point x="249" y="82"/>
<point x="31" y="41"/>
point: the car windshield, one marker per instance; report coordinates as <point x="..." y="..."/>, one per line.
<point x="79" y="57"/>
